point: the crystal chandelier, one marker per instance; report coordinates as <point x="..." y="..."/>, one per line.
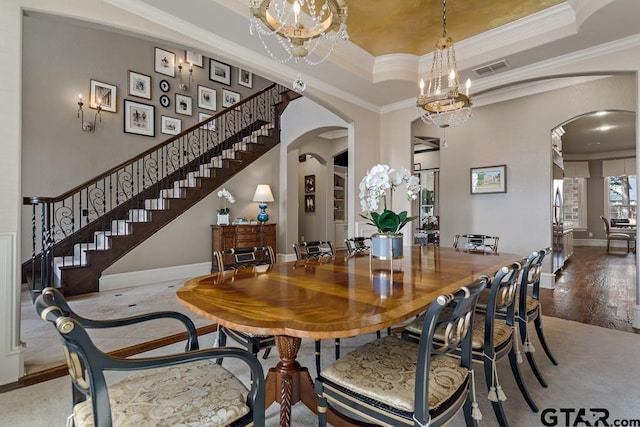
<point x="299" y="26"/>
<point x="444" y="106"/>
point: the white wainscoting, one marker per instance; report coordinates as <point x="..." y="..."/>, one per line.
<point x="11" y="362"/>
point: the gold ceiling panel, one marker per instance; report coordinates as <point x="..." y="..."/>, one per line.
<point x="413" y="26"/>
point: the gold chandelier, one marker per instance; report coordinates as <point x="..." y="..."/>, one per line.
<point x="441" y="105"/>
<point x="299" y="26"/>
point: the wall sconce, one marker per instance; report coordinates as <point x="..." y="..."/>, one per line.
<point x="263" y="194"/>
<point x="182" y="85"/>
<point x="88" y="126"/>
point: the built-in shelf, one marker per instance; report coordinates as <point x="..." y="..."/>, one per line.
<point x="339" y="196"/>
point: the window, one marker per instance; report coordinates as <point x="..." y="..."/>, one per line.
<point x="575" y="203"/>
<point x="621" y="202"/>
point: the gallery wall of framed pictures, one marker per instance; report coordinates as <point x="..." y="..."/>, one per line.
<point x="182" y="85"/>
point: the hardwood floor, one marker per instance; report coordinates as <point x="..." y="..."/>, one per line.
<point x="596" y="288"/>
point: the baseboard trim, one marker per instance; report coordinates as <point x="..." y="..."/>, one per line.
<point x="143" y="277"/>
<point x="547" y="280"/>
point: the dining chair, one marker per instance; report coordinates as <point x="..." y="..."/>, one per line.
<point x="393" y="382"/>
<point x="174" y="389"/>
<point x="476" y="243"/>
<point x="493" y="336"/>
<point x="237" y="258"/>
<point x="313" y="249"/>
<point x="529" y="310"/>
<point x="317" y="249"/>
<point x="357" y="245"/>
<point x="617" y="236"/>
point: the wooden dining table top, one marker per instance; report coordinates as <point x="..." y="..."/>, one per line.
<point x="338" y="296"/>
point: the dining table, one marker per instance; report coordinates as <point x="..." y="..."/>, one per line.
<point x="330" y="297"/>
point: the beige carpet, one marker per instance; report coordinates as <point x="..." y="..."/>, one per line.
<point x="598" y="369"/>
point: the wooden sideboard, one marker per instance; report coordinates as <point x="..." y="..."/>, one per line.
<point x="224" y="237"/>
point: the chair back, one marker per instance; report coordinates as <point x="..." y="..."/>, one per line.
<point x="313" y="249"/>
<point x="242" y="257"/>
<point x="356" y="245"/>
<point x="607" y="226"/>
<point x="453" y="314"/>
<point x="502" y="297"/>
<point x="476" y="243"/>
<point x="81" y="355"/>
<point x="530" y="276"/>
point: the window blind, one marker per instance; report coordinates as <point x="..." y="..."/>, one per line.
<point x="619" y="167"/>
<point x="576" y="170"/>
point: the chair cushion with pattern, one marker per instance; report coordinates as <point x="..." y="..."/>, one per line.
<point x="192" y="394"/>
<point x="385" y="370"/>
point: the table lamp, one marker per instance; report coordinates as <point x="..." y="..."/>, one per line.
<point x="263" y="195"/>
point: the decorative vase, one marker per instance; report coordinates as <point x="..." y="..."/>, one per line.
<point x="223" y="219"/>
<point x="386" y="246"/>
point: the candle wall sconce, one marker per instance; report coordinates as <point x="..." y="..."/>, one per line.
<point x="88" y="126"/>
<point x="183" y="86"/>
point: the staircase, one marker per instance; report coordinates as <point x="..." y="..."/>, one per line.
<point x="79" y="234"/>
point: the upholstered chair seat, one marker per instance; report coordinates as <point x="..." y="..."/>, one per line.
<point x="198" y="393"/>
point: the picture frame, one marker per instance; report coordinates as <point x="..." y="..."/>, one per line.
<point x="310" y="184"/>
<point x="310" y="203"/>
<point x="229" y="98"/>
<point x="165" y="101"/>
<point x="170" y="125"/>
<point x="489" y="179"/>
<point x="211" y="126"/>
<point x="184" y="105"/>
<point x="219" y="72"/>
<point x="206" y="98"/>
<point x="165" y="62"/>
<point x="164" y="86"/>
<point x="139" y="85"/>
<point x="195" y="59"/>
<point x="245" y="78"/>
<point x="417" y="167"/>
<point x="139" y="118"/>
<point x="104" y="94"/>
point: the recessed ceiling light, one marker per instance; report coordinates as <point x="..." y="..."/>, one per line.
<point x="601" y="113"/>
<point x="604" y="128"/>
<point x="593" y="143"/>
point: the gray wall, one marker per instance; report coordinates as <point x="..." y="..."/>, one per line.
<point x="60" y="57"/>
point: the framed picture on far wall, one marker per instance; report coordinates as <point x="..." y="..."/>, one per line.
<point x="219" y="72"/>
<point x="194" y="59"/>
<point x="310" y="203"/>
<point x="489" y="179"/>
<point x="310" y="184"/>
<point x="139" y="85"/>
<point x="170" y="125"/>
<point x="103" y="94"/>
<point x="165" y="62"/>
<point x="206" y="98"/>
<point x="211" y="126"/>
<point x="139" y="118"/>
<point x="245" y="78"/>
<point x="229" y="98"/>
<point x="184" y="105"/>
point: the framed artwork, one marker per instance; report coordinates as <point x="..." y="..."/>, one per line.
<point x="229" y="98"/>
<point x="206" y="98"/>
<point x="310" y="203"/>
<point x="165" y="101"/>
<point x="139" y="85"/>
<point x="245" y="78"/>
<point x="211" y="126"/>
<point x="184" y="105"/>
<point x="310" y="184"/>
<point x="103" y="94"/>
<point x="165" y="86"/>
<point x="194" y="59"/>
<point x="417" y="166"/>
<point x="165" y="62"/>
<point x="139" y="118"/>
<point x="170" y="125"/>
<point x="489" y="179"/>
<point x="219" y="72"/>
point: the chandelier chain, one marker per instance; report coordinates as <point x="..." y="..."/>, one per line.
<point x="444" y="18"/>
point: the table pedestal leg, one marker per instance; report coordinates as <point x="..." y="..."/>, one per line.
<point x="289" y="383"/>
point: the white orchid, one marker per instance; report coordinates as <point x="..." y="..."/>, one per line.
<point x="374" y="186"/>
<point x="228" y="198"/>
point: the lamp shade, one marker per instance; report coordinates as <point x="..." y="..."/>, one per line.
<point x="263" y="194"/>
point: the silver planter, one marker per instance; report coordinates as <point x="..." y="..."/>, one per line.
<point x="386" y="246"/>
